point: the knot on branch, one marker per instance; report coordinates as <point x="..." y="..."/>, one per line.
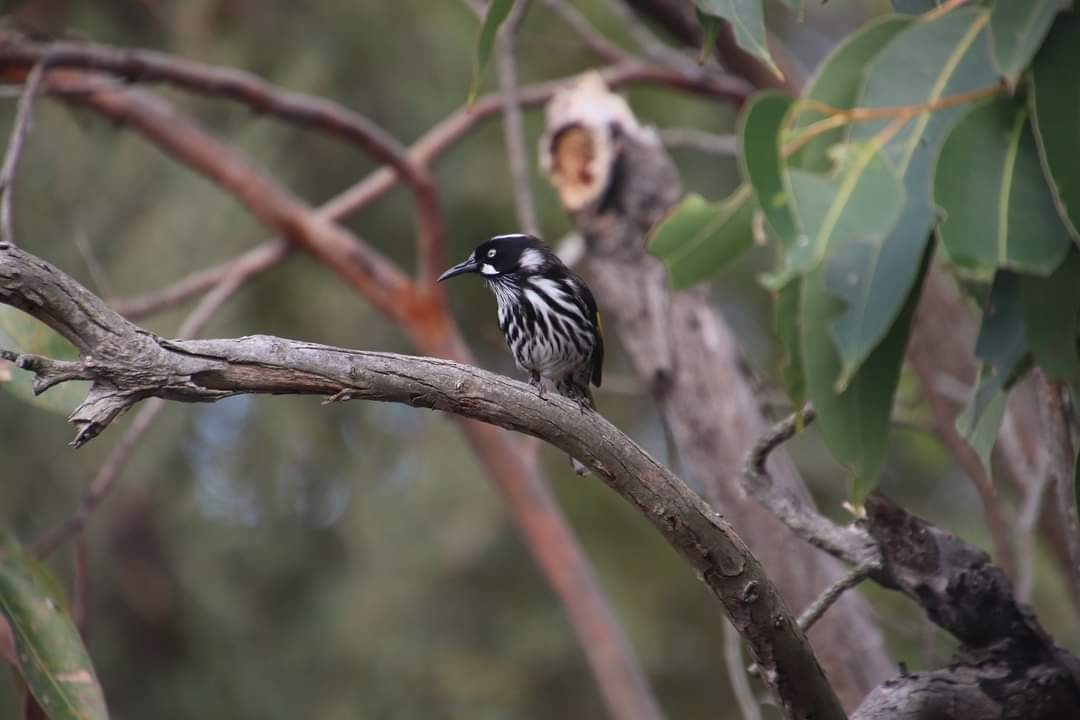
<point x="961" y="590"/>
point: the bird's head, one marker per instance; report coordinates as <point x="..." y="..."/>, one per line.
<point x="502" y="256"/>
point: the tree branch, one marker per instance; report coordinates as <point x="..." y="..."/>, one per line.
<point x="19" y="130"/>
<point x="513" y="124"/>
<point x="423" y="316"/>
<point x="850" y="544"/>
<point x="126" y="364"/>
<point x="319" y="113"/>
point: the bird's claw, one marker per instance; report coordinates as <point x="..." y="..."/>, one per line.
<point x="537" y="382"/>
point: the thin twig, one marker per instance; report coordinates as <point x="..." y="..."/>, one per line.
<point x="20" y="129"/>
<point x="97" y="272"/>
<point x="258" y="259"/>
<point x="941" y="10"/>
<point x="839" y="117"/>
<point x="80" y="583"/>
<point x="1062" y="456"/>
<point x="749" y="706"/>
<point x="654" y="48"/>
<point x="699" y="141"/>
<point x="851" y="544"/>
<point x="833" y="593"/>
<point x="592" y="37"/>
<point x="513" y="124"/>
<point x="1027" y="525"/>
<point x="261" y="96"/>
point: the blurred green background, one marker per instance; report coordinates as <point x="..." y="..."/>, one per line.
<point x="275" y="558"/>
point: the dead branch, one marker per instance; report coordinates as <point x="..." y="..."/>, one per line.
<point x="616" y="181"/>
<point x="1058" y="437"/>
<point x="19" y="130"/>
<point x="126" y="364"/>
<point x="850" y="544"/>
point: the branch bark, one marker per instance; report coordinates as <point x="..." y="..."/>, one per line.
<point x="126" y="364"/>
<point x="615" y="179"/>
<point x="423" y="316"/>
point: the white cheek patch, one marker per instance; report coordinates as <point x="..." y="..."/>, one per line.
<point x="531" y="259"/>
<point x="487" y="269"/>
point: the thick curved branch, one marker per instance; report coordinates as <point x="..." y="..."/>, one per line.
<point x="422" y="314"/>
<point x="125" y="364"/>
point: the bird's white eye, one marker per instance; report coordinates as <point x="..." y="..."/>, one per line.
<point x="491" y="252"/>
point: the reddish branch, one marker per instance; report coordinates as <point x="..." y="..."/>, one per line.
<point x="425" y="151"/>
<point x="422" y="314"/>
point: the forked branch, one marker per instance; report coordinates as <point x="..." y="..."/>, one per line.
<point x="126" y="364"/>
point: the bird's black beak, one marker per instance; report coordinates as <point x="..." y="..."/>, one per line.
<point x="468" y="265"/>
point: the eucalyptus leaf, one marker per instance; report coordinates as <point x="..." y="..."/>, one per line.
<point x="1017" y="29"/>
<point x="497" y="12"/>
<point x="52" y="659"/>
<point x="710" y="29"/>
<point x="1054" y="97"/>
<point x="759" y="130"/>
<point x="1052" y="319"/>
<point x="1003" y="349"/>
<point x="854" y="422"/>
<point x="788" y="318"/>
<point x="915" y="7"/>
<point x="998" y="211"/>
<point x="699" y="238"/>
<point x="848" y="217"/>
<point x="747" y="19"/>
<point x="924" y="63"/>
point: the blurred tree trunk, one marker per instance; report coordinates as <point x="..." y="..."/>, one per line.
<point x="616" y="180"/>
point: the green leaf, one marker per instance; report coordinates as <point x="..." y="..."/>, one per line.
<point x="1003" y="349"/>
<point x="497" y="12"/>
<point x="710" y="28"/>
<point x="759" y="154"/>
<point x="1017" y="29"/>
<point x="855" y="422"/>
<point x="980" y="422"/>
<point x="699" y="238"/>
<point x="1052" y="319"/>
<point x="748" y="22"/>
<point x="1054" y="96"/>
<point x="788" y="321"/>
<point x="51" y="655"/>
<point x="838" y="83"/>
<point x="20" y="332"/>
<point x="998" y="211"/>
<point x="914" y="7"/>
<point x="924" y="63"/>
<point x="847" y="217"/>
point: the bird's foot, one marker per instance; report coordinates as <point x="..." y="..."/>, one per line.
<point x="537" y="382"/>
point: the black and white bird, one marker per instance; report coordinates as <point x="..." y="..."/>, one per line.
<point x="547" y="314"/>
